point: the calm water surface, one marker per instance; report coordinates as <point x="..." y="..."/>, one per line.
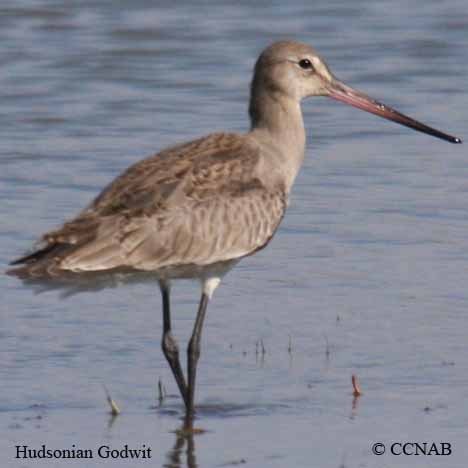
<point x="370" y="263"/>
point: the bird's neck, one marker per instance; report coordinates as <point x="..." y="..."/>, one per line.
<point x="276" y="121"/>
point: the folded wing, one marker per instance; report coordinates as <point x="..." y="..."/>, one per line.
<point x="193" y="204"/>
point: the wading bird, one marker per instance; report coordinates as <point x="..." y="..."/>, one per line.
<point x="196" y="209"/>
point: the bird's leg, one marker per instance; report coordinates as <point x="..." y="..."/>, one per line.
<point x="193" y="350"/>
<point x="193" y="353"/>
<point x="169" y="344"/>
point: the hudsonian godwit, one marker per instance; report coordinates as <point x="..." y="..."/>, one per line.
<point x="196" y="209"/>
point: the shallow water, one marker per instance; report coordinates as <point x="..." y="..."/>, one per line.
<point x="366" y="276"/>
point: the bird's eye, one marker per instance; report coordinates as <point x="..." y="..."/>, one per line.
<point x="306" y="64"/>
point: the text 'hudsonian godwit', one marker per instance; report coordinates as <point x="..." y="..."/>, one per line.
<point x="194" y="210"/>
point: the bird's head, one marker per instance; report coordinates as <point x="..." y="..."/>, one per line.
<point x="293" y="70"/>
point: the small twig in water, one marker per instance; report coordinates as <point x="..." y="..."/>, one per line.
<point x="356" y="389"/>
<point x="290" y="345"/>
<point x="327" y="347"/>
<point x="115" y="410"/>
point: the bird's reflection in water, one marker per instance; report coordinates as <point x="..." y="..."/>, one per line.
<point x="182" y="455"/>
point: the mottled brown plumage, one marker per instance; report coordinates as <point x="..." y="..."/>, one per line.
<point x="195" y="204"/>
